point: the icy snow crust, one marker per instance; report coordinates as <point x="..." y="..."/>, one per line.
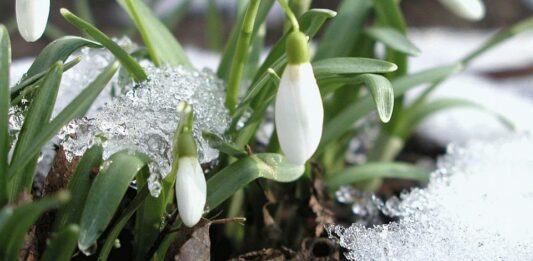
<point x="145" y="118"/>
<point x="476" y="207"/>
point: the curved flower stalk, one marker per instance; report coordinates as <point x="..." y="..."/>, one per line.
<point x="299" y="112"/>
<point x="32" y="16"/>
<point x="468" y="9"/>
<point x="191" y="187"/>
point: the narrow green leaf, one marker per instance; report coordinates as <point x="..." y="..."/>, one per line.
<point x="350" y="65"/>
<point x="223" y="146"/>
<point x="415" y="115"/>
<point x="38" y="115"/>
<point x="62" y="246"/>
<point x="72" y="110"/>
<point x="5" y="214"/>
<point x="5" y="60"/>
<point x="22" y="219"/>
<point x="25" y="88"/>
<point x="230" y="48"/>
<point x="266" y="165"/>
<point x="344" y="121"/>
<point x="125" y="59"/>
<point x="133" y="206"/>
<point x="377" y="170"/>
<point x="393" y="39"/>
<point x="346" y="26"/>
<point x="382" y="94"/>
<point x="503" y="35"/>
<point x="161" y="44"/>
<point x="106" y="193"/>
<point x="79" y="185"/>
<point x="58" y="50"/>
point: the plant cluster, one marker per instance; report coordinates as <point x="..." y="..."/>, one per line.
<point x="320" y="97"/>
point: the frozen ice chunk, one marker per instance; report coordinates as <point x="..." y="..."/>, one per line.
<point x="145" y="118"/>
<point x="474" y="208"/>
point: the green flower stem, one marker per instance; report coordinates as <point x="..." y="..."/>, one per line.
<point x="290" y="14"/>
<point x="241" y="54"/>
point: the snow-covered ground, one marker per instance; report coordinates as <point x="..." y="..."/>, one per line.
<point x="475" y="207"/>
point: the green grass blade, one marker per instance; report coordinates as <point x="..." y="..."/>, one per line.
<point x="72" y="110"/>
<point x="214" y="26"/>
<point x="349" y="25"/>
<point x="344" y="121"/>
<point x="5" y="60"/>
<point x="393" y="39"/>
<point x="376" y="170"/>
<point x="22" y="219"/>
<point x="266" y="165"/>
<point x="223" y="146"/>
<point x="79" y="185"/>
<point x="62" y="246"/>
<point x="161" y="44"/>
<point x="20" y="176"/>
<point x="382" y="94"/>
<point x="125" y="59"/>
<point x="415" y="115"/>
<point x="349" y="65"/>
<point x="106" y="193"/>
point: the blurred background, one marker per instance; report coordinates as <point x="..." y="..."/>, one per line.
<point x="188" y="18"/>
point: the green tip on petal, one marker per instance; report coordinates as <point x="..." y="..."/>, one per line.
<point x="297" y="48"/>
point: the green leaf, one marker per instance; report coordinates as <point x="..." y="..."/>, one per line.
<point x="344" y="121"/>
<point x="58" y="50"/>
<point x="415" y="115"/>
<point x="17" y="225"/>
<point x="265" y="165"/>
<point x="106" y="193"/>
<point x="161" y="44"/>
<point x="382" y="94"/>
<point x="229" y="50"/>
<point x="62" y="246"/>
<point x="37" y="116"/>
<point x="503" y="35"/>
<point x="347" y="26"/>
<point x="223" y="146"/>
<point x="79" y="185"/>
<point x="125" y="59"/>
<point x="72" y="110"/>
<point x="393" y="39"/>
<point x="377" y="170"/>
<point x="133" y="206"/>
<point x="349" y="65"/>
<point x="5" y="60"/>
<point x="26" y="87"/>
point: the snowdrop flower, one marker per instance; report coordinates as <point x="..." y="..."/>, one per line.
<point x="299" y="113"/>
<point x="468" y="9"/>
<point x="32" y="16"/>
<point x="191" y="187"/>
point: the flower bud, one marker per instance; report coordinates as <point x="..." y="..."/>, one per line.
<point x="191" y="190"/>
<point x="32" y="16"/>
<point x="299" y="112"/>
<point x="468" y="9"/>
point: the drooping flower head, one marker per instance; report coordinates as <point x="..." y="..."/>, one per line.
<point x="468" y="9"/>
<point x="299" y="112"/>
<point x="32" y="16"/>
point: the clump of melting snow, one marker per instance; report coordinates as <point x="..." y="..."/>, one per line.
<point x="145" y="118"/>
<point x="93" y="61"/>
<point x="476" y="207"/>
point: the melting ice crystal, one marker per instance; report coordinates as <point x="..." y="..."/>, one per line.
<point x="145" y="118"/>
<point x="476" y="207"/>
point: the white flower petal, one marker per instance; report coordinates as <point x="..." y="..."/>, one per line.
<point x="191" y="190"/>
<point x="468" y="9"/>
<point x="299" y="113"/>
<point x="32" y="16"/>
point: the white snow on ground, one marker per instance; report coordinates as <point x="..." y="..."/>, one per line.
<point x="476" y="207"/>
